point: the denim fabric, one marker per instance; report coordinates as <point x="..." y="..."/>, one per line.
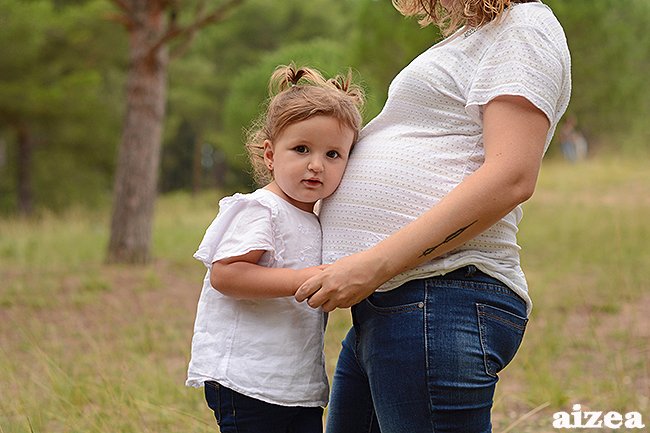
<point x="425" y="356"/>
<point x="237" y="413"/>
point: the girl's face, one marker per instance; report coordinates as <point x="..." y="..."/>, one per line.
<point x="308" y="159"/>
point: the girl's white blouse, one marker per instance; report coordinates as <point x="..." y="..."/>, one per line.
<point x="268" y="349"/>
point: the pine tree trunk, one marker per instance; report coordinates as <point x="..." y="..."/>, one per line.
<point x="24" y="175"/>
<point x="138" y="163"/>
<point x="197" y="164"/>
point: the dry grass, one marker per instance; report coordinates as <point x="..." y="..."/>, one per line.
<point x="86" y="347"/>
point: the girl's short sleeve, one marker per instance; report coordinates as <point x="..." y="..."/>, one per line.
<point x="243" y="224"/>
<point x="523" y="60"/>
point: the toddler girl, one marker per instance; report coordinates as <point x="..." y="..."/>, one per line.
<point x="257" y="351"/>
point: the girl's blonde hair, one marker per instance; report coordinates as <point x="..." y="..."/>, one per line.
<point x="297" y="94"/>
<point x="474" y="13"/>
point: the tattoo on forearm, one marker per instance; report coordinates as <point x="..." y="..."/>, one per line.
<point x="448" y="239"/>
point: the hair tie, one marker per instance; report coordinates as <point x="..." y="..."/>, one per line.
<point x="296" y="76"/>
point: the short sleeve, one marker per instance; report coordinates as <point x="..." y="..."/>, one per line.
<point x="524" y="60"/>
<point x="243" y="224"/>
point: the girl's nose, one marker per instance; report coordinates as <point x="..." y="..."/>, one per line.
<point x="315" y="165"/>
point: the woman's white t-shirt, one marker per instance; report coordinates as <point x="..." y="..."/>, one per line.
<point x="428" y="138"/>
<point x="268" y="349"/>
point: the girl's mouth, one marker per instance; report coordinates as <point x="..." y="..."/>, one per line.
<point x="312" y="182"/>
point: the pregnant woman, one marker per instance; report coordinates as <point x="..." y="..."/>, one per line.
<point x="421" y="233"/>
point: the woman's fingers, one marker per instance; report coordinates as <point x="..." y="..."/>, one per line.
<point x="324" y="298"/>
<point x="316" y="296"/>
<point x="308" y="288"/>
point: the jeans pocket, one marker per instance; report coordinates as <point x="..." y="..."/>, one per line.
<point x="406" y="298"/>
<point x="213" y="398"/>
<point x="394" y="309"/>
<point x="501" y="333"/>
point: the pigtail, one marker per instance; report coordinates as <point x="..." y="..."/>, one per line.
<point x="345" y="84"/>
<point x="288" y="76"/>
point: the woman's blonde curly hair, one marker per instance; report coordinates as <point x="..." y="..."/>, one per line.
<point x="473" y="13"/>
<point x="296" y="94"/>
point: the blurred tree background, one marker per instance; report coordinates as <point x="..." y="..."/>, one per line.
<point x="63" y="66"/>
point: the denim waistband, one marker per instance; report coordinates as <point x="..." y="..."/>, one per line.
<point x="467" y="277"/>
<point x="471" y="277"/>
<point x="469" y="272"/>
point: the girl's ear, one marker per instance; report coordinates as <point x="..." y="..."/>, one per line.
<point x="268" y="154"/>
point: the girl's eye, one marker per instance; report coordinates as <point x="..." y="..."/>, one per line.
<point x="301" y="149"/>
<point x="332" y="154"/>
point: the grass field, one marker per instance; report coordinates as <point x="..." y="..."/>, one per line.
<point x="86" y="347"/>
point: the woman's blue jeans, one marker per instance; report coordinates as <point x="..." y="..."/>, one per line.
<point x="237" y="413"/>
<point x="425" y="356"/>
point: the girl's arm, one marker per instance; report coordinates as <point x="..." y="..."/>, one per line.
<point x="241" y="277"/>
<point x="514" y="134"/>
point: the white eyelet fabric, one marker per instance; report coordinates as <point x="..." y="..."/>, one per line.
<point x="428" y="138"/>
<point x="268" y="349"/>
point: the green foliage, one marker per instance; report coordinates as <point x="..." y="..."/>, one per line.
<point x="610" y="49"/>
<point x="383" y="43"/>
<point x="62" y="72"/>
<point x="260" y="26"/>
<point x="57" y="81"/>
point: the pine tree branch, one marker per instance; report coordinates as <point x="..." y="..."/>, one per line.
<point x="123" y="5"/>
<point x="202" y="20"/>
<point x="120" y="18"/>
<point x="125" y="16"/>
<point x="180" y="50"/>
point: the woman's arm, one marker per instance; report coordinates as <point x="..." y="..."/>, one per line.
<point x="514" y="135"/>
<point x="241" y="277"/>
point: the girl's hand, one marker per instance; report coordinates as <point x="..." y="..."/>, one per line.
<point x="342" y="284"/>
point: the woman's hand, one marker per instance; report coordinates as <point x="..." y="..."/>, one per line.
<point x="344" y="283"/>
